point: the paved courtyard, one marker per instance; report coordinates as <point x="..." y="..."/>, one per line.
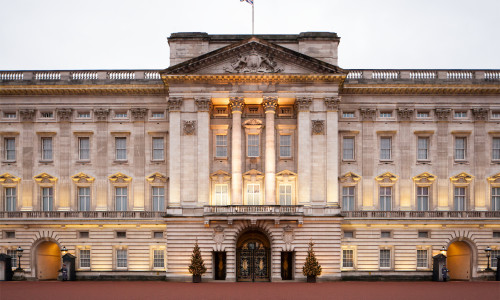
<point x="170" y="290"/>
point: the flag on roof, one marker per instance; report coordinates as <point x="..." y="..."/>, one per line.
<point x="249" y="1"/>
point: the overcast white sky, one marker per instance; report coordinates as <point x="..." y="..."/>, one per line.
<point x="128" y="34"/>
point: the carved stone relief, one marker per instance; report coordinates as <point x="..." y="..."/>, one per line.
<point x="368" y="114"/>
<point x="27" y="114"/>
<point x="64" y="114"/>
<point x="405" y="114"/>
<point x="175" y="103"/>
<point x="318" y="127"/>
<point x="480" y="114"/>
<point x="218" y="235"/>
<point x="139" y="113"/>
<point x="101" y="114"/>
<point x="253" y="63"/>
<point x="270" y="103"/>
<point x="236" y="103"/>
<point x="189" y="127"/>
<point x="203" y="103"/>
<point x="332" y="103"/>
<point x="303" y="103"/>
<point x="443" y="113"/>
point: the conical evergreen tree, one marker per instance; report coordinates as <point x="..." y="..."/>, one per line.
<point x="311" y="266"/>
<point x="197" y="266"/>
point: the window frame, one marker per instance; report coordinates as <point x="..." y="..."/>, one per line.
<point x="495" y="150"/>
<point x="282" y="146"/>
<point x="6" y="141"/>
<point x="390" y="149"/>
<point x="426" y="149"/>
<point x="350" y="258"/>
<point x="423" y="259"/>
<point x="221" y="194"/>
<point x="117" y="150"/>
<point x="353" y="150"/>
<point x="157" y="200"/>
<point x="222" y="146"/>
<point x="463" y="196"/>
<point x="154" y="151"/>
<point x="122" y="197"/>
<point x="288" y="195"/>
<point x="10" y="199"/>
<point x="421" y="196"/>
<point x="353" y="199"/>
<point x="154" y="259"/>
<point x="118" y="259"/>
<point x="44" y="152"/>
<point x="81" y="149"/>
<point x="464" y="149"/>
<point x="81" y="258"/>
<point x="256" y="146"/>
<point x="388" y="260"/>
<point x="50" y="197"/>
<point x="253" y="193"/>
<point x="381" y="201"/>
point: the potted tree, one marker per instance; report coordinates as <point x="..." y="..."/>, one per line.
<point x="311" y="267"/>
<point x="197" y="266"/>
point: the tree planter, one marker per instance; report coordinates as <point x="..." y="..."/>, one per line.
<point x="196" y="278"/>
<point x="311" y="279"/>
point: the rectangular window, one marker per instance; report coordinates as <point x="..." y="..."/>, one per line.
<point x="385" y="258"/>
<point x="348" y="198"/>
<point x="47" y="198"/>
<point x="285" y="194"/>
<point x="385" y="197"/>
<point x="423" y="148"/>
<point x="221" y="194"/>
<point x="459" y="198"/>
<point x="121" y="115"/>
<point x="83" y="235"/>
<point x="121" y="258"/>
<point x="348" y="234"/>
<point x="348" y="148"/>
<point x="495" y="198"/>
<point x="347" y="258"/>
<point x="10" y="199"/>
<point x="84" y="258"/>
<point x="385" y="114"/>
<point x="47" y="115"/>
<point x="158" y="194"/>
<point x="84" y="148"/>
<point x="385" y="148"/>
<point x="253" y="145"/>
<point x="253" y="194"/>
<point x="9" y="115"/>
<point x="10" y="149"/>
<point x="495" y="149"/>
<point x="460" y="148"/>
<point x="385" y="234"/>
<point x="423" y="234"/>
<point x="285" y="145"/>
<point x="422" y="259"/>
<point x="158" y="234"/>
<point x="84" y="115"/>
<point x="121" y="148"/>
<point x="158" y="148"/>
<point x="422" y="114"/>
<point x="121" y="198"/>
<point x="10" y="234"/>
<point x="493" y="257"/>
<point x="221" y="145"/>
<point x="158" y="258"/>
<point x="13" y="253"/>
<point x="46" y="148"/>
<point x="495" y="115"/>
<point x="121" y="234"/>
<point x="158" y="115"/>
<point x="84" y="198"/>
<point x="422" y="198"/>
<point x="460" y="114"/>
<point x="347" y="114"/>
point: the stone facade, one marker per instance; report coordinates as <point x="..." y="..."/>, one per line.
<point x="253" y="146"/>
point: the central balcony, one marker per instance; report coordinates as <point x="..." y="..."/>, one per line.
<point x="258" y="210"/>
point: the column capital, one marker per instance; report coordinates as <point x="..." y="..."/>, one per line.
<point x="303" y="103"/>
<point x="27" y="114"/>
<point x="480" y="114"/>
<point x="405" y="114"/>
<point x="64" y="114"/>
<point x="332" y="103"/>
<point x="236" y="104"/>
<point x="203" y="103"/>
<point x="139" y="114"/>
<point x="101" y="114"/>
<point x="368" y="114"/>
<point x="175" y="103"/>
<point x="270" y="103"/>
<point x="442" y="114"/>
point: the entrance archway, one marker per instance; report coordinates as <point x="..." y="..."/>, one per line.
<point x="48" y="260"/>
<point x="253" y="257"/>
<point x="459" y="260"/>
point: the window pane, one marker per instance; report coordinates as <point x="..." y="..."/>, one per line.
<point x="347" y="258"/>
<point x="348" y="148"/>
<point x="253" y="194"/>
<point x="121" y="198"/>
<point x="385" y="258"/>
<point x="84" y="147"/>
<point x="158" y="258"/>
<point x="385" y="148"/>
<point x="84" y="258"/>
<point x="121" y="258"/>
<point x="285" y="145"/>
<point x="348" y="198"/>
<point x="47" y="198"/>
<point x="158" y="148"/>
<point x="253" y="145"/>
<point x="422" y="198"/>
<point x="285" y="194"/>
<point x="460" y="147"/>
<point x="158" y="198"/>
<point x="84" y="198"/>
<point x="496" y="149"/>
<point x="221" y="194"/>
<point x="422" y="259"/>
<point x="121" y="148"/>
<point x="423" y="149"/>
<point x="13" y="253"/>
<point x="46" y="148"/>
<point x="221" y="145"/>
<point x="495" y="198"/>
<point x="385" y="198"/>
<point x="459" y="198"/>
<point x="10" y="199"/>
<point x="10" y="149"/>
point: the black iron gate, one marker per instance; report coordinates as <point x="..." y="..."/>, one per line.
<point x="253" y="262"/>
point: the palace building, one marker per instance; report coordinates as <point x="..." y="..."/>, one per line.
<point x="253" y="146"/>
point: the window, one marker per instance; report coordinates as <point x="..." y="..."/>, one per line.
<point x="348" y="148"/>
<point x="347" y="258"/>
<point x="385" y="148"/>
<point x="423" y="148"/>
<point x="460" y="114"/>
<point x="493" y="256"/>
<point x="13" y="253"/>
<point x="84" y="198"/>
<point x="422" y="259"/>
<point x="10" y="199"/>
<point x="121" y="198"/>
<point x="422" y="114"/>
<point x="459" y="198"/>
<point x="47" y="115"/>
<point x="385" y="114"/>
<point x="285" y="145"/>
<point x="158" y="194"/>
<point x="84" y="148"/>
<point x="496" y="234"/>
<point x="158" y="258"/>
<point x="347" y="114"/>
<point x="10" y="234"/>
<point x="83" y="234"/>
<point x="253" y="145"/>
<point x="385" y="234"/>
<point x="121" y="234"/>
<point x="84" y="115"/>
<point x="385" y="197"/>
<point x="385" y="258"/>
<point x="158" y="148"/>
<point x="221" y="145"/>
<point x="285" y="194"/>
<point x="10" y="149"/>
<point x="495" y="151"/>
<point x="221" y="194"/>
<point x="158" y="234"/>
<point x="253" y="194"/>
<point x="47" y="198"/>
<point x="495" y="115"/>
<point x="158" y="115"/>
<point x="348" y="234"/>
<point x="422" y="198"/>
<point x="348" y="198"/>
<point x="121" y="115"/>
<point x="84" y="258"/>
<point x="495" y="198"/>
<point x="9" y="115"/>
<point x="47" y="148"/>
<point x="460" y="148"/>
<point x="423" y="234"/>
<point x="121" y="148"/>
<point x="121" y="258"/>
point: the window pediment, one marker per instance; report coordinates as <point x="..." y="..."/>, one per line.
<point x="495" y="179"/>
<point x="45" y="178"/>
<point x="286" y="174"/>
<point x="350" y="177"/>
<point x="386" y="178"/>
<point x="220" y="176"/>
<point x="253" y="175"/>
<point x="82" y="178"/>
<point x="7" y="178"/>
<point x="253" y="124"/>
<point x="462" y="178"/>
<point x="119" y="178"/>
<point x="425" y="178"/>
<point x="156" y="178"/>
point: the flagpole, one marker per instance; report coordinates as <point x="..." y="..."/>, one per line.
<point x="252" y="19"/>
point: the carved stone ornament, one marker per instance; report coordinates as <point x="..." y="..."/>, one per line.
<point x="303" y="103"/>
<point x="64" y="114"/>
<point x="253" y="63"/>
<point x="45" y="178"/>
<point x="425" y="178"/>
<point x="480" y="114"/>
<point x="27" y="114"/>
<point x="119" y="178"/>
<point x="332" y="103"/>
<point x="387" y="177"/>
<point x="101" y="114"/>
<point x="405" y="114"/>
<point x="175" y="103"/>
<point x="189" y="127"/>
<point x="350" y="177"/>
<point x="288" y="235"/>
<point x="156" y="178"/>
<point x="318" y="127"/>
<point x="462" y="178"/>
<point x="7" y="178"/>
<point x="236" y="104"/>
<point x="139" y="113"/>
<point x="368" y="114"/>
<point x="495" y="179"/>
<point x="218" y="235"/>
<point x="82" y="178"/>
<point x="443" y="113"/>
<point x="203" y="103"/>
<point x="270" y="103"/>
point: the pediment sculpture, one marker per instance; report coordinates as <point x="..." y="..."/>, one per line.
<point x="253" y="63"/>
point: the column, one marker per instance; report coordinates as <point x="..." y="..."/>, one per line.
<point x="332" y="150"/>
<point x="27" y="159"/>
<point x="443" y="176"/>
<point x="304" y="149"/>
<point x="102" y="160"/>
<point x="236" y="104"/>
<point x="269" y="104"/>
<point x="138" y="140"/>
<point x="480" y="162"/>
<point x="368" y="157"/>
<point x="64" y="184"/>
<point x="203" y="104"/>
<point x="174" y="172"/>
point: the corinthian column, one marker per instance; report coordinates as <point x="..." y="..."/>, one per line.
<point x="174" y="107"/>
<point x="332" y="155"/>
<point x="203" y="104"/>
<point x="269" y="104"/>
<point x="304" y="149"/>
<point x="236" y="104"/>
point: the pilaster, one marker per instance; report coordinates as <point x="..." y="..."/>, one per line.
<point x="332" y="150"/>
<point x="138" y="142"/>
<point x="270" y="104"/>
<point x="369" y="158"/>
<point x="236" y="104"/>
<point x="442" y="115"/>
<point x="174" y="104"/>
<point x="303" y="105"/>
<point x="203" y="117"/>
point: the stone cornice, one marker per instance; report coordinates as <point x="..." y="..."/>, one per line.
<point x="423" y="89"/>
<point x="68" y="90"/>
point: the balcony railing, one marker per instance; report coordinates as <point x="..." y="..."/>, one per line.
<point x="82" y="214"/>
<point x="271" y="210"/>
<point x="420" y="214"/>
<point x="423" y="75"/>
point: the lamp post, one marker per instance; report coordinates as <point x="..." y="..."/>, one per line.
<point x="64" y="250"/>
<point x="19" y="252"/>
<point x="443" y="251"/>
<point x="488" y="250"/>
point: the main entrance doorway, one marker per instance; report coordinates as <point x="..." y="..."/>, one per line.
<point x="48" y="261"/>
<point x="459" y="261"/>
<point x="253" y="257"/>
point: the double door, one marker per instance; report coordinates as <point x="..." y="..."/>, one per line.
<point x="253" y="262"/>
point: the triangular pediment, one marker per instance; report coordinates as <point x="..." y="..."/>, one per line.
<point x="253" y="56"/>
<point x="8" y="178"/>
<point x="253" y="174"/>
<point x="494" y="179"/>
<point x="350" y="177"/>
<point x="119" y="178"/>
<point x="425" y="177"/>
<point x="157" y="178"/>
<point x="462" y="178"/>
<point x="45" y="178"/>
<point x="82" y="178"/>
<point x="387" y="177"/>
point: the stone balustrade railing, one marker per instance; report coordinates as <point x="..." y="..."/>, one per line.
<point x="427" y="75"/>
<point x="419" y="214"/>
<point x="42" y="76"/>
<point x="82" y="214"/>
<point x="254" y="210"/>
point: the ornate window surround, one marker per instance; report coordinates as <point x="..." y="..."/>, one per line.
<point x="220" y="130"/>
<point x="253" y="177"/>
<point x="9" y="181"/>
<point x="45" y="180"/>
<point x="155" y="180"/>
<point x="220" y="177"/>
<point x="82" y="180"/>
<point x="425" y="179"/>
<point x="40" y="137"/>
<point x="120" y="180"/>
<point x="465" y="180"/>
<point x="347" y="180"/>
<point x="253" y="127"/>
<point x="76" y="145"/>
<point x="462" y="134"/>
<point x="6" y="135"/>
<point x="284" y="129"/>
<point x="354" y="134"/>
<point x="286" y="177"/>
<point x="387" y="134"/>
<point x="149" y="145"/>
<point x="430" y="146"/>
<point x="387" y="179"/>
<point x="112" y="150"/>
<point x="494" y="182"/>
